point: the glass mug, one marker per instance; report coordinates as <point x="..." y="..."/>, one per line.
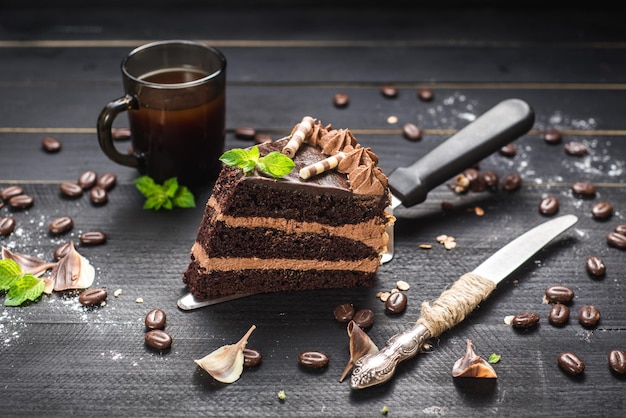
<point x="175" y="99"/>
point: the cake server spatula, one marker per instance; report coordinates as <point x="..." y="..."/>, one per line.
<point x="497" y="127"/>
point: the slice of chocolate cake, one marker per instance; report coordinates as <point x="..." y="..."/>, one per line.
<point x="320" y="226"/>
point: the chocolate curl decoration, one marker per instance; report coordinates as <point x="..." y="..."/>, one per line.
<point x="298" y="137"/>
<point x="322" y="166"/>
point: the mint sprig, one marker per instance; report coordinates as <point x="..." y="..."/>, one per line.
<point x="168" y="195"/>
<point x="275" y="164"/>
<point x="21" y="287"/>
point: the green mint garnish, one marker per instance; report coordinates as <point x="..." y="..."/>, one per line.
<point x="494" y="358"/>
<point x="21" y="287"/>
<point x="275" y="164"/>
<point x="164" y="196"/>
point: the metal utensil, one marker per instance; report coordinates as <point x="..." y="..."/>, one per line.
<point x="455" y="303"/>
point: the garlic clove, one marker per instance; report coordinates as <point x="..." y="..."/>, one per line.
<point x="360" y="345"/>
<point x="72" y="271"/>
<point x="28" y="263"/>
<point x="226" y="363"/>
<point x="472" y="365"/>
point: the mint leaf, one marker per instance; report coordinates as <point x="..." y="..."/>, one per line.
<point x="10" y="272"/>
<point x="275" y="164"/>
<point x="170" y="186"/>
<point x="494" y="358"/>
<point x="166" y="196"/>
<point x="27" y="287"/>
<point x="184" y="198"/>
<point x="146" y="185"/>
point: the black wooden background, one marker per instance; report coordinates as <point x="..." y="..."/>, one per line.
<point x="60" y="65"/>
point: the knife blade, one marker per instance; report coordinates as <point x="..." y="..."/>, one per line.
<point x="497" y="127"/>
<point x="455" y="303"/>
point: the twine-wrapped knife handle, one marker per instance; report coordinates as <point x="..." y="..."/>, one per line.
<point x="452" y="306"/>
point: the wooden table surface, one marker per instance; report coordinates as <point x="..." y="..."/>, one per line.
<point x="58" y="68"/>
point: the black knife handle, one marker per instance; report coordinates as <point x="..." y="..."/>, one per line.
<point x="497" y="127"/>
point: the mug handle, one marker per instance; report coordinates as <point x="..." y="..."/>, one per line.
<point x="105" y="124"/>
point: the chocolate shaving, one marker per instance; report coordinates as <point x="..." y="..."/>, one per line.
<point x="472" y="365"/>
<point x="28" y="263"/>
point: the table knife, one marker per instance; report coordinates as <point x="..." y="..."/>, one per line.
<point x="455" y="303"/>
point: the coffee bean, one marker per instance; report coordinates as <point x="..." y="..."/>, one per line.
<point x="262" y="138"/>
<point x="559" y="314"/>
<point x="341" y="100"/>
<point x="589" y="316"/>
<point x="396" y="303"/>
<point x="577" y="149"/>
<point x="62" y="250"/>
<point x="251" y="357"/>
<point x="61" y="225"/>
<point x="525" y="320"/>
<point x="93" y="238"/>
<point x="620" y="229"/>
<point x="344" y="312"/>
<point x="389" y="91"/>
<point x="477" y="182"/>
<point x="595" y="266"/>
<point x="364" y="318"/>
<point x="245" y="132"/>
<point x="559" y="294"/>
<point x="70" y="189"/>
<point x="88" y="179"/>
<point x="584" y="189"/>
<point x="155" y="319"/>
<point x="98" y="195"/>
<point x="7" y="225"/>
<point x="509" y="150"/>
<point x="511" y="182"/>
<point x="617" y="361"/>
<point x="107" y="181"/>
<point x="120" y="134"/>
<point x="617" y="240"/>
<point x="553" y="136"/>
<point x="313" y="359"/>
<point x="549" y="205"/>
<point x="21" y="201"/>
<point x="411" y="132"/>
<point x="602" y="210"/>
<point x="570" y="363"/>
<point x="93" y="297"/>
<point x="50" y="144"/>
<point x="425" y="94"/>
<point x="158" y="339"/>
<point x="490" y="179"/>
<point x="10" y="191"/>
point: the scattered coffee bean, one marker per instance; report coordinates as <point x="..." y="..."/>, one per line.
<point x="364" y="318"/>
<point x="120" y="134"/>
<point x="389" y="91"/>
<point x="589" y="316"/>
<point x="344" y="312"/>
<point x="313" y="359"/>
<point x="617" y="240"/>
<point x="7" y="225"/>
<point x="61" y="225"/>
<point x="93" y="297"/>
<point x="245" y="132"/>
<point x="553" y="136"/>
<point x="577" y="149"/>
<point x="262" y="138"/>
<point x="620" y="229"/>
<point x="525" y="320"/>
<point x="341" y="100"/>
<point x="511" y="182"/>
<point x="617" y="361"/>
<point x="10" y="191"/>
<point x="490" y="179"/>
<point x="595" y="266"/>
<point x="570" y="363"/>
<point x="559" y="294"/>
<point x="98" y="195"/>
<point x="155" y="319"/>
<point x="251" y="357"/>
<point x="70" y="189"/>
<point x="21" y="201"/>
<point x="411" y="132"/>
<point x="62" y="250"/>
<point x="509" y="150"/>
<point x="396" y="303"/>
<point x="107" y="181"/>
<point x="50" y="144"/>
<point x="425" y="94"/>
<point x="559" y="314"/>
<point x="88" y="179"/>
<point x="93" y="238"/>
<point x="584" y="189"/>
<point x="158" y="339"/>
<point x="602" y="210"/>
<point x="549" y="205"/>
